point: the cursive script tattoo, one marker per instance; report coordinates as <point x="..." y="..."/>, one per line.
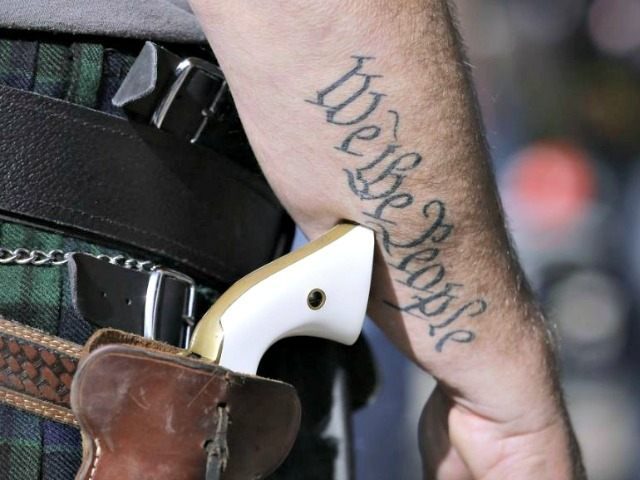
<point x="377" y="166"/>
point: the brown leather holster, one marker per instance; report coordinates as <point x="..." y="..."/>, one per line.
<point x="146" y="411"/>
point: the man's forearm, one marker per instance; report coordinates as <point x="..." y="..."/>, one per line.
<point x="377" y="106"/>
<point x="362" y="110"/>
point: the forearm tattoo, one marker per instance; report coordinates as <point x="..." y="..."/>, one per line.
<point x="377" y="166"/>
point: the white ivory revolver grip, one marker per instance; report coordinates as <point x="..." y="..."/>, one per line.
<point x="320" y="290"/>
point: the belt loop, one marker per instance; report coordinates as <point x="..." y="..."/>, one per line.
<point x="190" y="71"/>
<point x="182" y="96"/>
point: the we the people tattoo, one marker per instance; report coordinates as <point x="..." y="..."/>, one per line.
<point x="377" y="165"/>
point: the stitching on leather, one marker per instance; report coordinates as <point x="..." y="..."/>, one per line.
<point x="96" y="458"/>
<point x="17" y="400"/>
<point x="42" y="110"/>
<point x="196" y="370"/>
<point x="134" y="229"/>
<point x="41" y="338"/>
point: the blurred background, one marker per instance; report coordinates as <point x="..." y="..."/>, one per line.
<point x="559" y="86"/>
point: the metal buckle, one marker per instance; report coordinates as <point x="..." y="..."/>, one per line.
<point x="185" y="72"/>
<point x="152" y="303"/>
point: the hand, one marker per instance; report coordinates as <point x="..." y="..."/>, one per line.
<point x="459" y="444"/>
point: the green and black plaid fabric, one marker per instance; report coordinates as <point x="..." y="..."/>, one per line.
<point x="86" y="74"/>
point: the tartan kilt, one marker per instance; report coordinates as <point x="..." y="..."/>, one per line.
<point x="88" y="73"/>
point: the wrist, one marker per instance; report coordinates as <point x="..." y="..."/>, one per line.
<point x="507" y="374"/>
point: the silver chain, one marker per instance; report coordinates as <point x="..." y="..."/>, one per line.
<point x="23" y="256"/>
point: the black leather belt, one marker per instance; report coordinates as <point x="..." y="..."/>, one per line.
<point x="80" y="171"/>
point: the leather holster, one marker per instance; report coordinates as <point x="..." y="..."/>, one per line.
<point x="146" y="411"/>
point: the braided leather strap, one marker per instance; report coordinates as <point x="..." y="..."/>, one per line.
<point x="36" y="371"/>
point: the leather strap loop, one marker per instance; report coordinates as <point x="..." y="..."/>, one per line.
<point x="111" y="296"/>
<point x="80" y="171"/>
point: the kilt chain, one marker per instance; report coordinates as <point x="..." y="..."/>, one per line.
<point x="23" y="256"/>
